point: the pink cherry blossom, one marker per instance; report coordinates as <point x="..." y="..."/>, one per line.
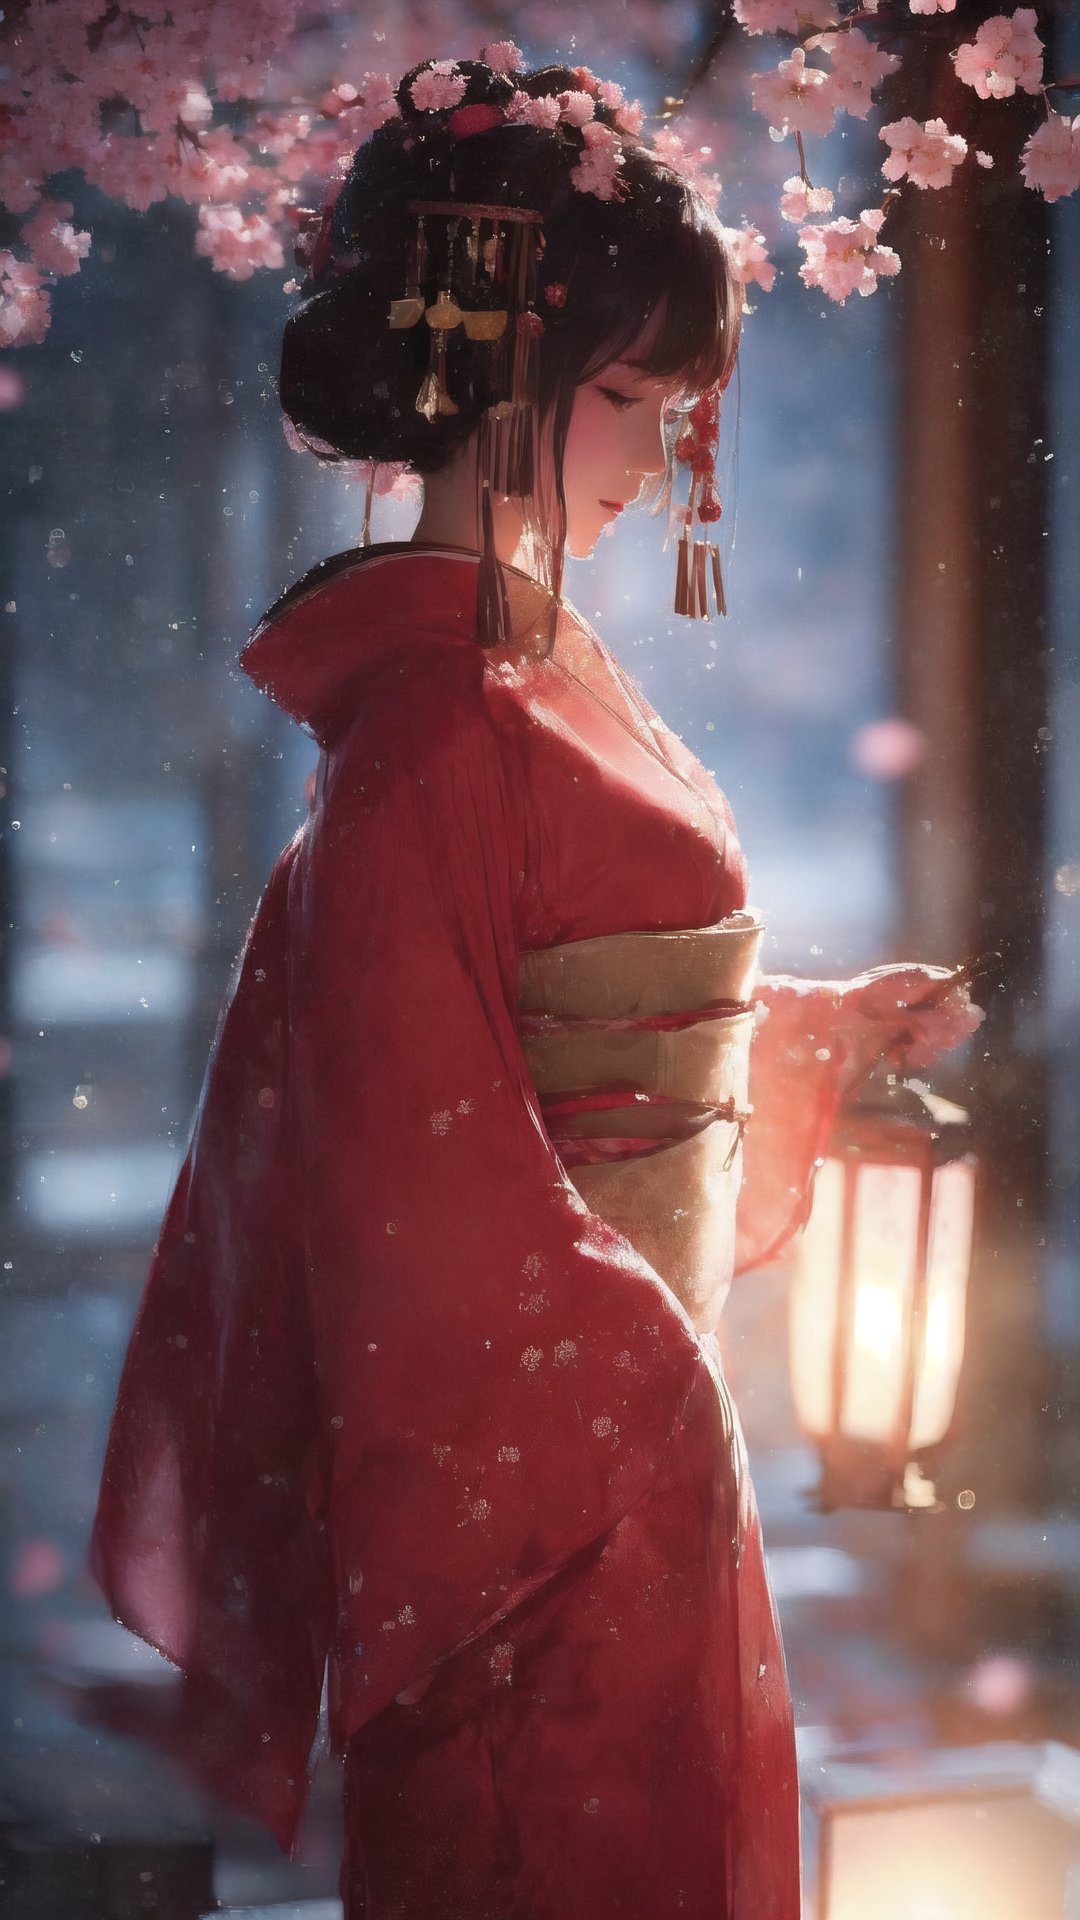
<point x="1051" y="158"/>
<point x="218" y="168"/>
<point x="438" y="87"/>
<point x="688" y="161"/>
<point x="24" y="303"/>
<point x="132" y="167"/>
<point x="844" y="256"/>
<point x="175" y="100"/>
<point x="502" y="56"/>
<point x="926" y="155"/>
<point x="610" y="94"/>
<point x="932" y="6"/>
<point x="375" y="104"/>
<point x="798" y="201"/>
<point x="888" y="749"/>
<point x="56" y="246"/>
<point x="598" y="169"/>
<point x="577" y="108"/>
<point x="237" y="243"/>
<point x="784" y="16"/>
<point x="544" y="112"/>
<point x="858" y="65"/>
<point x="11" y="388"/>
<point x="630" y="118"/>
<point x="749" y="260"/>
<point x="336" y="98"/>
<point x="19" y="187"/>
<point x="1006" y="53"/>
<point x="795" y="98"/>
<point x="37" y="1568"/>
<point x="984" y="159"/>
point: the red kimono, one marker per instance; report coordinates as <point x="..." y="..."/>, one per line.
<point x="395" y="1399"/>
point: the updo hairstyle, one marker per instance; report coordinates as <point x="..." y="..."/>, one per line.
<point x="349" y="382"/>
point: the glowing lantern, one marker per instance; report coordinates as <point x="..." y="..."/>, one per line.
<point x="976" y="1833"/>
<point x="878" y="1301"/>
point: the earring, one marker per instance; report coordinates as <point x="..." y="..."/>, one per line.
<point x="698" y="561"/>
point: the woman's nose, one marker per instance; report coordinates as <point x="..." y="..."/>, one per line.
<point x="649" y="455"/>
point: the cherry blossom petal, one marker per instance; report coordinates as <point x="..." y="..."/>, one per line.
<point x="1006" y="53"/>
<point x="502" y="56"/>
<point x="926" y="155"/>
<point x="750" y="261"/>
<point x="798" y="201"/>
<point x="857" y="65"/>
<point x="1050" y="161"/>
<point x="439" y="86"/>
<point x="795" y="98"/>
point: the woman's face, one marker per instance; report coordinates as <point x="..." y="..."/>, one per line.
<point x="613" y="444"/>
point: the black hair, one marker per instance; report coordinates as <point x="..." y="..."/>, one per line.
<point x="349" y="382"/>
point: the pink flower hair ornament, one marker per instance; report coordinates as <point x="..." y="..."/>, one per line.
<point x="593" y="121"/>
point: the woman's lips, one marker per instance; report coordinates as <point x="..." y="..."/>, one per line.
<point x="613" y="506"/>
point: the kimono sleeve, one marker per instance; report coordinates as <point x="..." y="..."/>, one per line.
<point x="500" y="1375"/>
<point x="796" y="1067"/>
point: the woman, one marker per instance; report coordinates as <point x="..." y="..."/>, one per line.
<point x="399" y="1396"/>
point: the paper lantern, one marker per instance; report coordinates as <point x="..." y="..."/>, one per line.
<point x="879" y="1295"/>
<point x="977" y="1833"/>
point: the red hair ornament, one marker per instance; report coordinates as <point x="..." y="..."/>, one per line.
<point x="698" y="562"/>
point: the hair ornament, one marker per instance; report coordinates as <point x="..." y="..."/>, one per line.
<point x="696" y="445"/>
<point x="473" y="273"/>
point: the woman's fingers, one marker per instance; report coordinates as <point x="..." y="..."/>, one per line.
<point x="909" y="1013"/>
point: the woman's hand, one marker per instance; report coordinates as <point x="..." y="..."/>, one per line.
<point x="906" y="1014"/>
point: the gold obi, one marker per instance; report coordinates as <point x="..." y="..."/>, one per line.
<point x="639" y="1047"/>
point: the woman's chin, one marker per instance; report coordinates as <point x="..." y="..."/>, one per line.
<point x="581" y="545"/>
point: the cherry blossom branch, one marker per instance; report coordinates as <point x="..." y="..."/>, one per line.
<point x="203" y="126"/>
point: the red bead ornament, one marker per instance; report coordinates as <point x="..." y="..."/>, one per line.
<point x="465" y="121"/>
<point x="699" y="560"/>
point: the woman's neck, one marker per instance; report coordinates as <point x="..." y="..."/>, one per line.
<point x="449" y="516"/>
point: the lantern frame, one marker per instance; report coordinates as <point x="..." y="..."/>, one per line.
<point x="894" y="1122"/>
<point x="1044" y="1777"/>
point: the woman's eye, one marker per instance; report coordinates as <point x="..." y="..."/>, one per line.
<point x="620" y="401"/>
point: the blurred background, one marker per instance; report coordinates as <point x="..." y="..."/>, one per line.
<point x="892" y="708"/>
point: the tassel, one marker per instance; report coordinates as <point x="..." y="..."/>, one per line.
<point x="699" y="595"/>
<point x="682" y="575"/>
<point x="410" y="308"/>
<point x="369" y="492"/>
<point x="718" y="583"/>
<point x="492" y="600"/>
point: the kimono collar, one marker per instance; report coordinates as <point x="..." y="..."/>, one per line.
<point x="339" y="622"/>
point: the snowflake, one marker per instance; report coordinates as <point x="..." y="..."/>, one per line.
<point x="532" y="1357"/>
<point x="440" y="1122"/>
<point x="565" y="1352"/>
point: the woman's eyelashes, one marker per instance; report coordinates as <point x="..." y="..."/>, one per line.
<point x="620" y="401"/>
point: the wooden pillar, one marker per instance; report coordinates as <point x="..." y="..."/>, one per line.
<point x="971" y="599"/>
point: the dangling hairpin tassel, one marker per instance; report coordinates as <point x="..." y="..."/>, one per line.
<point x="410" y="308"/>
<point x="442" y="317"/>
<point x="494" y="279"/>
<point x="699" y="560"/>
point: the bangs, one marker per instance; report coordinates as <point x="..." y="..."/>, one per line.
<point x="687" y="281"/>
